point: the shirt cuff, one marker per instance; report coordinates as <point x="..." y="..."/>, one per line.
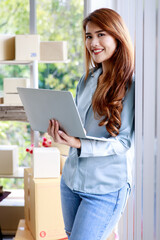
<point x="86" y="148"/>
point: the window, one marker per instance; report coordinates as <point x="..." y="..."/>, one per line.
<point x="51" y="26"/>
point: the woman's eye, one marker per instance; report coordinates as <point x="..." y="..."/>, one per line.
<point x="88" y="37"/>
<point x="101" y="34"/>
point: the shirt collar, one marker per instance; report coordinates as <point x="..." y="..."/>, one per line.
<point x="96" y="72"/>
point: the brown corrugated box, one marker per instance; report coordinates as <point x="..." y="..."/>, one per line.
<point x="53" y="51"/>
<point x="43" y="211"/>
<point x="7" y="47"/>
<point x="27" y="47"/>
<point x="8" y="159"/>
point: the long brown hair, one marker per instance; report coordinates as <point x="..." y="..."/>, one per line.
<point x="107" y="101"/>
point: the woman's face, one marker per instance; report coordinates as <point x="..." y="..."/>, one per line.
<point x="99" y="43"/>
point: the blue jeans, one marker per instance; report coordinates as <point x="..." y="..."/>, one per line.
<point x="91" y="216"/>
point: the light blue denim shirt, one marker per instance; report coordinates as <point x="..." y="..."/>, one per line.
<point x="102" y="166"/>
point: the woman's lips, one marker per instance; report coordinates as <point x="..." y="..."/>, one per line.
<point x="97" y="51"/>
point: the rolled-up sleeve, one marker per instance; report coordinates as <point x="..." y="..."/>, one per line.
<point x="114" y="145"/>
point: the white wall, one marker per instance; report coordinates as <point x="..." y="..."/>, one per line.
<point x="91" y="5"/>
<point x="103" y="3"/>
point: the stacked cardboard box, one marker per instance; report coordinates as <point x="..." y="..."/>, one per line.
<point x="43" y="214"/>
<point x="11" y="96"/>
<point x="8" y="159"/>
<point x="23" y="232"/>
<point x="46" y="162"/>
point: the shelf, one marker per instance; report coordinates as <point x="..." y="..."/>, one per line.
<point x="15" y="62"/>
<point x="66" y="61"/>
<point x="29" y="62"/>
<point x="18" y="174"/>
<point x="12" y="113"/>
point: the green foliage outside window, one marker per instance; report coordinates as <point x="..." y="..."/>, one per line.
<point x="57" y="20"/>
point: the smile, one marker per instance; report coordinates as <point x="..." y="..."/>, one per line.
<point x="97" y="51"/>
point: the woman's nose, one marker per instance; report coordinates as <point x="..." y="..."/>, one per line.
<point x="94" y="42"/>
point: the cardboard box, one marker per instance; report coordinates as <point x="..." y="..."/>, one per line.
<point x="23" y="232"/>
<point x="12" y="99"/>
<point x="46" y="162"/>
<point x="53" y="51"/>
<point x="1" y="97"/>
<point x="1" y="100"/>
<point x="10" y="84"/>
<point x="43" y="212"/>
<point x="29" y="198"/>
<point x="11" y="211"/>
<point x="27" y="47"/>
<point x="64" y="149"/>
<point x="8" y="159"/>
<point x="7" y="47"/>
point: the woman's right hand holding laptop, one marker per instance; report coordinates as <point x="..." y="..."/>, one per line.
<point x="60" y="136"/>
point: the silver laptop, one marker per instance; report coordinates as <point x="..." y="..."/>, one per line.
<point x="41" y="105"/>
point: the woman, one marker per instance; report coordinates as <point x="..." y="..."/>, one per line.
<point x="96" y="178"/>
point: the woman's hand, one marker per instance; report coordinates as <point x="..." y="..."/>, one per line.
<point x="61" y="137"/>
